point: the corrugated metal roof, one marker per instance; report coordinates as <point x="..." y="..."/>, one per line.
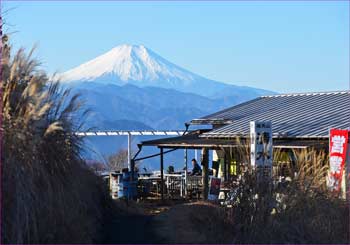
<point x="192" y="140"/>
<point x="189" y="140"/>
<point x="292" y="115"/>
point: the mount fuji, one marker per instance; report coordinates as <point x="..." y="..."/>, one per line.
<point x="140" y="66"/>
<point x="133" y="88"/>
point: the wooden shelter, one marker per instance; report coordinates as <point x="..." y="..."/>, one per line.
<point x="298" y="121"/>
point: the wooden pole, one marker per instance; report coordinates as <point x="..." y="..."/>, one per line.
<point x="161" y="174"/>
<point x="205" y="173"/>
<point x="186" y="167"/>
<point x="225" y="166"/>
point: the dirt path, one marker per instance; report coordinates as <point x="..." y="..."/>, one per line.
<point x="178" y="223"/>
<point x="132" y="223"/>
<point x="131" y="229"/>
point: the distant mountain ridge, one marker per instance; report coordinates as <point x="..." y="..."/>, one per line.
<point x="152" y="107"/>
<point x="132" y="87"/>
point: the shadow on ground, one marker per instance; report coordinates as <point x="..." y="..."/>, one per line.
<point x="176" y="222"/>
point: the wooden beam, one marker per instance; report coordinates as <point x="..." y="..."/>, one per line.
<point x="192" y="146"/>
<point x="205" y="173"/>
<point x="128" y="132"/>
<point x="225" y="167"/>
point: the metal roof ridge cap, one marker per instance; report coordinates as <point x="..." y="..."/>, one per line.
<point x="306" y="94"/>
<point x="230" y="108"/>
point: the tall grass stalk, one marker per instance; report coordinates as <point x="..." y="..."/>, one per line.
<point x="49" y="195"/>
<point x="297" y="211"/>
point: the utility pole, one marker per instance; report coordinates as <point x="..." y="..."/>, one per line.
<point x="129" y="152"/>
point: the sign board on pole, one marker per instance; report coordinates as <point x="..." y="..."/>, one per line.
<point x="214" y="188"/>
<point x="347" y="170"/>
<point x="114" y="184"/>
<point x="338" y="142"/>
<point x="261" y="154"/>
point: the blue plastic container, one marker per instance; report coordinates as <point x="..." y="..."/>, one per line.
<point x="127" y="188"/>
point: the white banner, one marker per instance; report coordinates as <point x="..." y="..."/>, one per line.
<point x="261" y="154"/>
<point x="261" y="143"/>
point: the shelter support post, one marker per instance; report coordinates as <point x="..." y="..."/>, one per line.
<point x="161" y="174"/>
<point x="129" y="153"/>
<point x="132" y="164"/>
<point x="225" y="167"/>
<point x="205" y="173"/>
<point x="186" y="167"/>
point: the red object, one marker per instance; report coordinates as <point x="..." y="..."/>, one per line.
<point x="215" y="186"/>
<point x="338" y="143"/>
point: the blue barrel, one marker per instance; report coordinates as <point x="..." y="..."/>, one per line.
<point x="127" y="188"/>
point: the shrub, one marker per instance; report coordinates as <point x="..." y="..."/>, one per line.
<point x="297" y="211"/>
<point x="49" y="195"/>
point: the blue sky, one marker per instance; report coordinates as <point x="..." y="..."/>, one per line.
<point x="282" y="46"/>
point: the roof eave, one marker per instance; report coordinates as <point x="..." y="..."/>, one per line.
<point x="283" y="136"/>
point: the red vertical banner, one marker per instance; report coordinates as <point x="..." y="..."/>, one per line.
<point x="214" y="188"/>
<point x="338" y="143"/>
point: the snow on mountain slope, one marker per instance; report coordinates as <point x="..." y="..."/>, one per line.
<point x="130" y="63"/>
<point x="137" y="65"/>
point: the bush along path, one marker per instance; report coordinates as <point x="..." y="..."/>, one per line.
<point x="48" y="193"/>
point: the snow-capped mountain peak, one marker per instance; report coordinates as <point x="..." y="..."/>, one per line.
<point x="140" y="66"/>
<point x="130" y="63"/>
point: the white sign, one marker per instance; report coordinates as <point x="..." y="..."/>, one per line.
<point x="261" y="154"/>
<point x="114" y="187"/>
<point x="261" y="143"/>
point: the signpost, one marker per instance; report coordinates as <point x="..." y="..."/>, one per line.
<point x="338" y="144"/>
<point x="113" y="185"/>
<point x="347" y="171"/>
<point x="261" y="154"/>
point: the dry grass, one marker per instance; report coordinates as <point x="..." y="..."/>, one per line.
<point x="49" y="195"/>
<point x="299" y="211"/>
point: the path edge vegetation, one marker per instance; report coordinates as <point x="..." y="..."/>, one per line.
<point x="49" y="195"/>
